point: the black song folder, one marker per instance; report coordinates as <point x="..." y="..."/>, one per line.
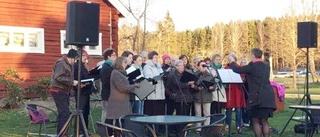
<point x="144" y="90"/>
<point x="188" y="76"/>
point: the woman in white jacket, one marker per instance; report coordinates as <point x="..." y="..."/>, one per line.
<point x="155" y="102"/>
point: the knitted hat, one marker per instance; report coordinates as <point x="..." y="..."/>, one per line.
<point x="164" y="56"/>
<point x="72" y="53"/>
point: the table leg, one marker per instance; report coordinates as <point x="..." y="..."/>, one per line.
<point x="167" y="131"/>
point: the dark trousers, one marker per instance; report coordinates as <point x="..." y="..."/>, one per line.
<point x="170" y="106"/>
<point x="216" y="107"/>
<point x="181" y="109"/>
<point x="61" y="99"/>
<point x="84" y="106"/>
<point x="155" y="107"/>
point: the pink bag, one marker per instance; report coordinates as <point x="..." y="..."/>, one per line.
<point x="39" y="116"/>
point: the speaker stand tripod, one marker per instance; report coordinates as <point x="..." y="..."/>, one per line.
<point x="306" y="96"/>
<point x="76" y="113"/>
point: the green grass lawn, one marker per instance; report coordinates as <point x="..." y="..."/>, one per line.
<point x="15" y="122"/>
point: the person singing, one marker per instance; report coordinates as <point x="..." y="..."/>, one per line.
<point x="236" y="100"/>
<point x="202" y="96"/>
<point x="180" y="93"/>
<point x="258" y="73"/>
<point x="85" y="92"/>
<point x="119" y="99"/>
<point x="62" y="81"/>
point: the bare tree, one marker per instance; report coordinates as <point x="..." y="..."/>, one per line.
<point x="137" y="15"/>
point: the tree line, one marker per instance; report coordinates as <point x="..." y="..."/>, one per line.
<point x="277" y="37"/>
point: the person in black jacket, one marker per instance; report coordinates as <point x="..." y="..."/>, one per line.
<point x="180" y="92"/>
<point x="258" y="73"/>
<point x="109" y="55"/>
<point x="85" y="92"/>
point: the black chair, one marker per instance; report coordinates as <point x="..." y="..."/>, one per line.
<point x="103" y="131"/>
<point x="139" y="129"/>
<point x="316" y="118"/>
<point x="39" y="116"/>
<point x="211" y="130"/>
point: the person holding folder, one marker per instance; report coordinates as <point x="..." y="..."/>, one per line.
<point x="202" y="94"/>
<point x="61" y="83"/>
<point x="137" y="105"/>
<point x="155" y="102"/>
<point x="180" y="92"/>
<point x="84" y="100"/>
<point x="118" y="103"/>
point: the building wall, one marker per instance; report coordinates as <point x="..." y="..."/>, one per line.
<point x="51" y="16"/>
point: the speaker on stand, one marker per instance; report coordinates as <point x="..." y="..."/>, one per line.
<point x="307" y="38"/>
<point x="82" y="29"/>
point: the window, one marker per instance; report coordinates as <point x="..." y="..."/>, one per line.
<point x="21" y="39"/>
<point x="92" y="50"/>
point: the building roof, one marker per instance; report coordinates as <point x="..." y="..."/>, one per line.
<point x="120" y="7"/>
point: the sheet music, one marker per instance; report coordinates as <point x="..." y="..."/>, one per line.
<point x="130" y="69"/>
<point x="100" y="66"/>
<point x="228" y="76"/>
<point x="87" y="80"/>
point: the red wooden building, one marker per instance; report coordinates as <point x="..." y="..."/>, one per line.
<point x="32" y="33"/>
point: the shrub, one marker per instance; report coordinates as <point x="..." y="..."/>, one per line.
<point x="41" y="88"/>
<point x="11" y="81"/>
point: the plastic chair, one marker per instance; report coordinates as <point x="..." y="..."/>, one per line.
<point x="211" y="130"/>
<point x="39" y="116"/>
<point x="103" y="132"/>
<point x="139" y="129"/>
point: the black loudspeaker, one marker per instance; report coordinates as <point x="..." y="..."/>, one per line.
<point x="82" y="23"/>
<point x="307" y="35"/>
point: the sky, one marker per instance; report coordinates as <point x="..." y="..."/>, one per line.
<point x="192" y="14"/>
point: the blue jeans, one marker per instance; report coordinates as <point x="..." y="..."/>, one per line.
<point x="229" y="116"/>
<point x="137" y="106"/>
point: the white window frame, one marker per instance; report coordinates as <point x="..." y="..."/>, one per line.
<point x="92" y="50"/>
<point x="7" y="43"/>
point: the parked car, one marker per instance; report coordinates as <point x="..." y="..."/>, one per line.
<point x="303" y="74"/>
<point x="283" y="75"/>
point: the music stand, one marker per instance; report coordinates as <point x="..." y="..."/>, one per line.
<point x="76" y="113"/>
<point x="227" y="76"/>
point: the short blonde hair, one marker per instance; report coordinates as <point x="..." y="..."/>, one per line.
<point x="118" y="63"/>
<point x="214" y="56"/>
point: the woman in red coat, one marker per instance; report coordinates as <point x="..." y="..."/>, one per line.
<point x="236" y="100"/>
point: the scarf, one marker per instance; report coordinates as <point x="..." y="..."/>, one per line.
<point x="218" y="66"/>
<point x="109" y="62"/>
